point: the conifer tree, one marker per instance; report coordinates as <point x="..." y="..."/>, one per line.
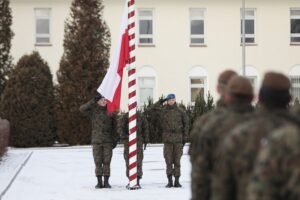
<point x="6" y="35"/>
<point x="28" y="103"/>
<point x="82" y="68"/>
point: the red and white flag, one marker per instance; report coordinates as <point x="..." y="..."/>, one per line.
<point x="111" y="85"/>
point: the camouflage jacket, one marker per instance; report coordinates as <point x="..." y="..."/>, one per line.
<point x="238" y="151"/>
<point x="142" y="128"/>
<point x="206" y="142"/>
<point x="276" y="175"/>
<point x="103" y="124"/>
<point x="174" y="123"/>
<point x="221" y="104"/>
<point x="199" y="124"/>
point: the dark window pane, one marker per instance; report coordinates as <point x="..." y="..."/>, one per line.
<point x="42" y="26"/>
<point x="248" y="40"/>
<point x="42" y="40"/>
<point x="295" y="39"/>
<point x="146" y="27"/>
<point x="249" y="26"/>
<point x="195" y="92"/>
<point x="197" y="40"/>
<point x="197" y="27"/>
<point x="295" y="25"/>
<point x="146" y="40"/>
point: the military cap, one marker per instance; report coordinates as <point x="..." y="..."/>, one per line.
<point x="98" y="97"/>
<point x="170" y="96"/>
<point x="239" y="85"/>
<point x="276" y="81"/>
<point x="225" y="76"/>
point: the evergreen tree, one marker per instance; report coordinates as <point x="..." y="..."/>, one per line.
<point x="6" y="35"/>
<point x="82" y="68"/>
<point x="28" y="103"/>
<point x="201" y="106"/>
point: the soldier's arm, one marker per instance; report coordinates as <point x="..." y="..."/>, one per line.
<point x="186" y="127"/>
<point x="116" y="136"/>
<point x="223" y="177"/>
<point x="123" y="127"/>
<point x="158" y="105"/>
<point x="87" y="108"/>
<point x="201" y="170"/>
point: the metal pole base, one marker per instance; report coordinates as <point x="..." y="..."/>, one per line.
<point x="136" y="187"/>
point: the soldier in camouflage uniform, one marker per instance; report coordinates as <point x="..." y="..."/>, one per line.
<point x="276" y="175"/>
<point x="142" y="139"/>
<point x="104" y="137"/>
<point x="223" y="79"/>
<point x="238" y="98"/>
<point x="174" y="125"/>
<point x="240" y="147"/>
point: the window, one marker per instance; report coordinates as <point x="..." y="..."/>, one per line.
<point x="146" y="26"/>
<point x="42" y="26"/>
<point x="295" y="81"/>
<point x="295" y="25"/>
<point x="252" y="75"/>
<point x="197" y="87"/>
<point x="249" y="26"/>
<point x="197" y="26"/>
<point x="252" y="80"/>
<point x="146" y="89"/>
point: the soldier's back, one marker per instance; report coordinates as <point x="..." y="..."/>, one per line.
<point x="276" y="170"/>
<point x="239" y="150"/>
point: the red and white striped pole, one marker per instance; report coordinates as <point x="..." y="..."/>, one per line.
<point x="132" y="98"/>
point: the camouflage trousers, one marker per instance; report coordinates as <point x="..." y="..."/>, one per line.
<point x="140" y="157"/>
<point x="102" y="154"/>
<point x="172" y="155"/>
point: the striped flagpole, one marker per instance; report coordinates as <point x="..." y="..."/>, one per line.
<point x="132" y="97"/>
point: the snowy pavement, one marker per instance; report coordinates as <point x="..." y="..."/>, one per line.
<point x="68" y="174"/>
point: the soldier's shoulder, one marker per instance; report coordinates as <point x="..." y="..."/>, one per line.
<point x="211" y="114"/>
<point x="287" y="134"/>
<point x="180" y="110"/>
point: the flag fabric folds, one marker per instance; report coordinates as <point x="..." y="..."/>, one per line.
<point x="111" y="85"/>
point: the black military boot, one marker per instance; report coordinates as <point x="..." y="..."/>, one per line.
<point x="99" y="184"/>
<point x="170" y="182"/>
<point x="106" y="183"/>
<point x="138" y="182"/>
<point x="176" y="182"/>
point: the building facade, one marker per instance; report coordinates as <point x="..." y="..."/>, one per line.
<point x="183" y="45"/>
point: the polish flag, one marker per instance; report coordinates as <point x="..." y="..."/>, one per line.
<point x="111" y="85"/>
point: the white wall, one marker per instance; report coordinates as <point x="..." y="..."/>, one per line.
<point x="172" y="58"/>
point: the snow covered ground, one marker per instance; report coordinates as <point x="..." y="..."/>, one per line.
<point x="68" y="174"/>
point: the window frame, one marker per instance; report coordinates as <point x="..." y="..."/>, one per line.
<point x="204" y="86"/>
<point x="254" y="35"/>
<point x="139" y="88"/>
<point x="292" y="84"/>
<point x="197" y="36"/>
<point x="297" y="35"/>
<point x="146" y="36"/>
<point x="40" y="35"/>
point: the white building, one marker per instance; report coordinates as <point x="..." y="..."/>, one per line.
<point x="182" y="44"/>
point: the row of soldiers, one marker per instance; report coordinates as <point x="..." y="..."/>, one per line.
<point x="109" y="128"/>
<point x="241" y="153"/>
